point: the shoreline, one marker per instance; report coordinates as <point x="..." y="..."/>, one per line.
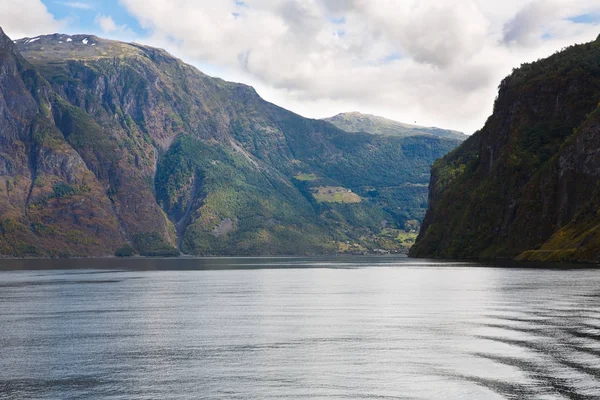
<point x="186" y="263"/>
<point x="396" y="255"/>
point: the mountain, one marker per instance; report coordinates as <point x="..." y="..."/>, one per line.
<point x="111" y="146"/>
<point x="528" y="184"/>
<point x="357" y="122"/>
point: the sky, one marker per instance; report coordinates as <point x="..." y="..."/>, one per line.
<point x="433" y="63"/>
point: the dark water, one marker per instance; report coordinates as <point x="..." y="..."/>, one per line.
<point x="297" y="328"/>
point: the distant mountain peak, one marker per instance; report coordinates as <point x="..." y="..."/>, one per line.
<point x="356" y="121"/>
<point x="59" y="38"/>
<point x="353" y="113"/>
<point x="61" y="47"/>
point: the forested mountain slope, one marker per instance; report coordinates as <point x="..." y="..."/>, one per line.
<point x="528" y="184"/>
<point x="108" y="144"/>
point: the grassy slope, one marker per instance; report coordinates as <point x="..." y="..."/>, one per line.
<point x="357" y="122"/>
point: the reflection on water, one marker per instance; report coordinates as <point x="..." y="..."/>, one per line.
<point x="344" y="328"/>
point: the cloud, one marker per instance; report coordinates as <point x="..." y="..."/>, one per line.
<point x="543" y="19"/>
<point x="107" y="24"/>
<point x="437" y="33"/>
<point x="524" y="28"/>
<point x="77" y="4"/>
<point x="21" y="18"/>
<point x="436" y="62"/>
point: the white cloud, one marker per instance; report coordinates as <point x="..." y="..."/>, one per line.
<point x="524" y="28"/>
<point x="77" y="4"/>
<point x="107" y="24"/>
<point x="541" y="20"/>
<point x="430" y="61"/>
<point x="21" y="18"/>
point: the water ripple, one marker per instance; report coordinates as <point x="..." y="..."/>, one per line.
<point x="299" y="328"/>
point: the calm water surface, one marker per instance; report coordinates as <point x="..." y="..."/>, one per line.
<point x="362" y="328"/>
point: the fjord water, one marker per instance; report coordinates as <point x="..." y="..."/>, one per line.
<point x="339" y="328"/>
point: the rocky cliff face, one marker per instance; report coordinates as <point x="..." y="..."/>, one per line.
<point x="527" y="184"/>
<point x="51" y="203"/>
<point x="106" y="144"/>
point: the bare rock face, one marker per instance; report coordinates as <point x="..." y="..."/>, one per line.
<point x="51" y="204"/>
<point x="527" y="184"/>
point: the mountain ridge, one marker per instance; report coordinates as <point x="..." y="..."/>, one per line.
<point x="180" y="161"/>
<point x="358" y="122"/>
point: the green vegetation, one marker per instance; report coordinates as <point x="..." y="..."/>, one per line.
<point x="306" y="177"/>
<point x="333" y="194"/>
<point x="269" y="217"/>
<point x="44" y="230"/>
<point x="395" y="240"/>
<point x="62" y="189"/>
<point x="357" y="122"/>
<point x="524" y="186"/>
<point x="407" y="238"/>
<point x="391" y="173"/>
<point x="577" y="241"/>
<point x="125" y="251"/>
<point x="153" y="245"/>
<point x="125" y="143"/>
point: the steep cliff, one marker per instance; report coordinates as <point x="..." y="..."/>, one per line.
<point x="51" y="203"/>
<point x="528" y="183"/>
<point x="107" y="144"/>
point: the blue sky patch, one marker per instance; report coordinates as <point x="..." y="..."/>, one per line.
<point x="395" y="56"/>
<point x="585" y="19"/>
<point x="81" y="15"/>
<point x="337" y="20"/>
